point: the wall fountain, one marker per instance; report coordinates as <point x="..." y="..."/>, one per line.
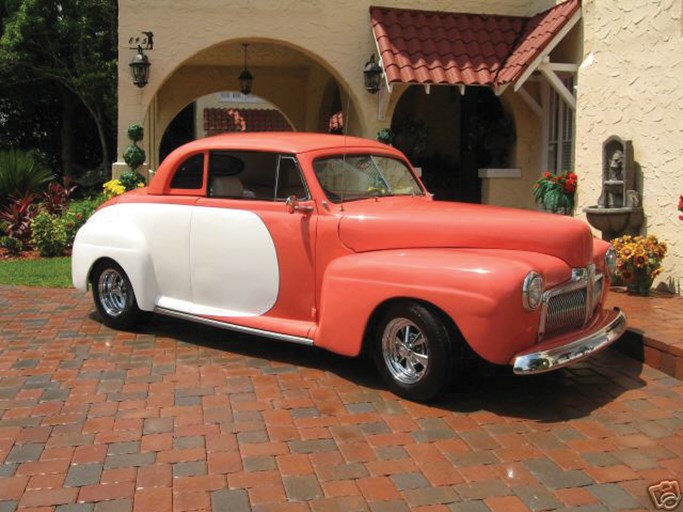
<point x="618" y="211"/>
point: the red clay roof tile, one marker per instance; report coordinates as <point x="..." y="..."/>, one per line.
<point x="538" y="33"/>
<point x="429" y="47"/>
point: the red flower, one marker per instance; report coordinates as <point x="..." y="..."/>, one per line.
<point x="626" y="275"/>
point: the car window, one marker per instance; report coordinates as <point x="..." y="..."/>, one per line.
<point x="190" y="173"/>
<point x="350" y="177"/>
<point x="290" y="182"/>
<point x="254" y="175"/>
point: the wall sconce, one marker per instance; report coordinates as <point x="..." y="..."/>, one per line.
<point x="372" y="73"/>
<point x="245" y="78"/>
<point x="139" y="66"/>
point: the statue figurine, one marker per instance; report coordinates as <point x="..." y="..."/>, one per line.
<point x="616" y="165"/>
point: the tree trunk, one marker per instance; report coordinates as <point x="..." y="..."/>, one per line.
<point x="66" y="135"/>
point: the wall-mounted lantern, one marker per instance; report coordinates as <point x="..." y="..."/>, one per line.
<point x="372" y="73"/>
<point x="139" y="66"/>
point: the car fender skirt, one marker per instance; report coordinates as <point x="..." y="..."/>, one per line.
<point x="564" y="351"/>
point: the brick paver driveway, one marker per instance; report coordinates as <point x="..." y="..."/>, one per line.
<point x="183" y="417"/>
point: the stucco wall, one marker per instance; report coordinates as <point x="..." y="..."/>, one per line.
<point x="335" y="35"/>
<point x="633" y="89"/>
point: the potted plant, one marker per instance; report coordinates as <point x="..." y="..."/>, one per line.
<point x="639" y="261"/>
<point x="555" y="192"/>
<point x="385" y="136"/>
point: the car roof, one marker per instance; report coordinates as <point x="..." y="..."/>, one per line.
<point x="280" y="142"/>
<point x="286" y="142"/>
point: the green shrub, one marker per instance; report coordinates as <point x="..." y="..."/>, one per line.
<point x="21" y="173"/>
<point x="77" y="214"/>
<point x="134" y="155"/>
<point x="11" y="245"/>
<point x="135" y="132"/>
<point x="49" y="236"/>
<point x="131" y="180"/>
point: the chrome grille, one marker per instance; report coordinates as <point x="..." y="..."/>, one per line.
<point x="571" y="305"/>
<point x="566" y="311"/>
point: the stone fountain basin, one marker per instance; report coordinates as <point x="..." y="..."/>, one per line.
<point x="625" y="219"/>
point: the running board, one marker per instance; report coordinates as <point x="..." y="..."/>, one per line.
<point x="232" y="327"/>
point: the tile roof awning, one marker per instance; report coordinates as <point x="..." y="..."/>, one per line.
<point x="445" y="48"/>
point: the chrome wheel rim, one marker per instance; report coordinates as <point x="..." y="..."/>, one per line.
<point x="405" y="350"/>
<point x="113" y="292"/>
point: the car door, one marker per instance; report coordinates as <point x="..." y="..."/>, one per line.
<point x="252" y="256"/>
<point x="165" y="222"/>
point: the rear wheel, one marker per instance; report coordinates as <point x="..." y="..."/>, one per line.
<point x="114" y="296"/>
<point x="413" y="351"/>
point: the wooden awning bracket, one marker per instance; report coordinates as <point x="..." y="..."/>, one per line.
<point x="531" y="102"/>
<point x="549" y="71"/>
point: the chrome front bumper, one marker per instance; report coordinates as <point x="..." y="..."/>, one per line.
<point x="560" y="352"/>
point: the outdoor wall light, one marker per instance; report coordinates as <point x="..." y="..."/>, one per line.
<point x="139" y="66"/>
<point x="245" y="78"/>
<point x="372" y="72"/>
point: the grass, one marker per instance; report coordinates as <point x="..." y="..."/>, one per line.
<point x="44" y="272"/>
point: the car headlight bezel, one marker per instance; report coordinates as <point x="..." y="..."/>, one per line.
<point x="532" y="291"/>
<point x="611" y="261"/>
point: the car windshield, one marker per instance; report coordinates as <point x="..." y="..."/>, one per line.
<point x="352" y="177"/>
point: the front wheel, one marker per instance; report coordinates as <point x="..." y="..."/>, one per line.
<point x="114" y="296"/>
<point x="413" y="351"/>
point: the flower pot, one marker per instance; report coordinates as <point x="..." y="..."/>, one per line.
<point x="640" y="285"/>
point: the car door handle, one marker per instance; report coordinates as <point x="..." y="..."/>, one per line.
<point x="293" y="206"/>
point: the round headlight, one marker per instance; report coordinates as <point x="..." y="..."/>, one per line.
<point x="532" y="291"/>
<point x="611" y="258"/>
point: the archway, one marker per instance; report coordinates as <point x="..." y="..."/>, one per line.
<point x="301" y="87"/>
<point x="225" y="111"/>
<point x="450" y="137"/>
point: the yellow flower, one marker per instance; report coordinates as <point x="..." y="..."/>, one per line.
<point x="626" y="251"/>
<point x="113" y="188"/>
<point x="640" y="260"/>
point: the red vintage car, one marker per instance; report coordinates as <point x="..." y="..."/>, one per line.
<point x="333" y="241"/>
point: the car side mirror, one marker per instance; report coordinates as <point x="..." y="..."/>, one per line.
<point x="293" y="205"/>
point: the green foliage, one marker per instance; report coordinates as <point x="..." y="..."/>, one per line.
<point x="134" y="156"/>
<point x="555" y="192"/>
<point x="135" y="132"/>
<point x="70" y="43"/>
<point x="77" y="215"/>
<point x="385" y="136"/>
<point x="131" y="180"/>
<point x="49" y="235"/>
<point x="47" y="272"/>
<point x="11" y="245"/>
<point x="21" y="173"/>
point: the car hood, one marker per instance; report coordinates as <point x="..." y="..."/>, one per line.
<point x="397" y="223"/>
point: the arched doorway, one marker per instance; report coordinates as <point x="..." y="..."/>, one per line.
<point x="450" y="137"/>
<point x="226" y="111"/>
<point x="294" y="81"/>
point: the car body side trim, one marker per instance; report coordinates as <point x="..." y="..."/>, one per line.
<point x="565" y="354"/>
<point x="233" y="327"/>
